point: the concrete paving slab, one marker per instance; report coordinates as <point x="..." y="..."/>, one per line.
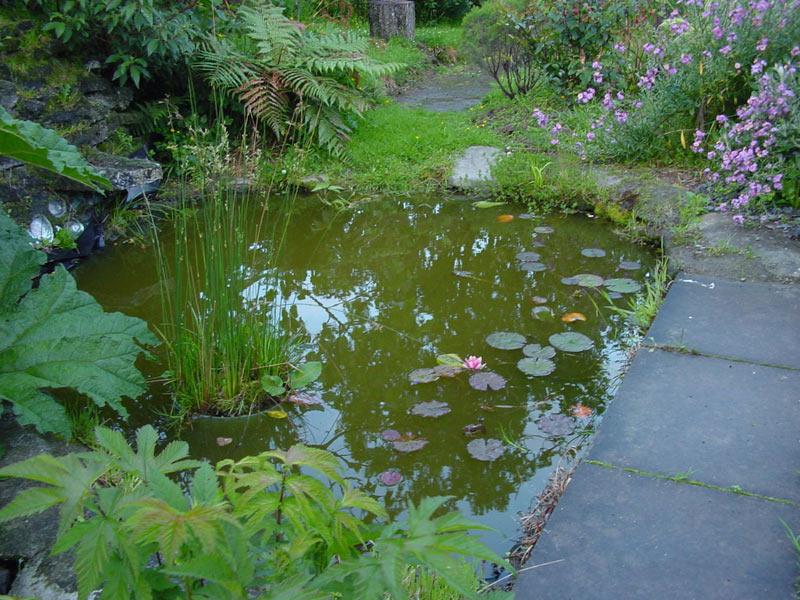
<point x="473" y="168"/>
<point x="730" y="423"/>
<point x="749" y="321"/>
<point x="622" y="536"/>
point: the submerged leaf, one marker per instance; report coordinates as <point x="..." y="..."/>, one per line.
<point x="409" y="444"/>
<point x="506" y="340"/>
<point x="623" y="285"/>
<point x="486" y="450"/>
<point x="537" y="351"/>
<point x="571" y="341"/>
<point x="486" y="204"/>
<point x="391" y="477"/>
<point x="422" y="376"/>
<point x="557" y="424"/>
<point x="485" y="380"/>
<point x="538" y="311"/>
<point x="434" y="408"/>
<point x="538" y="367"/>
<point x="573" y="316"/>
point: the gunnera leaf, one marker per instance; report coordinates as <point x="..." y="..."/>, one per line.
<point x="433" y="408"/>
<point x="486" y="450"/>
<point x="527" y="256"/>
<point x="622" y="285"/>
<point x="537" y="351"/>
<point x="537" y="367"/>
<point x="506" y="340"/>
<point x="422" y="376"/>
<point x="391" y="477"/>
<point x="487" y="380"/>
<point x="571" y="341"/>
<point x="593" y="252"/>
<point x="557" y="424"/>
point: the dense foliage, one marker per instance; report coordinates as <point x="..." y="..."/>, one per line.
<point x="258" y="527"/>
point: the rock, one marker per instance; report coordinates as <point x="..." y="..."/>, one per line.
<point x="47" y="578"/>
<point x="473" y="169"/>
<point x="126" y="173"/>
<point x="8" y="95"/>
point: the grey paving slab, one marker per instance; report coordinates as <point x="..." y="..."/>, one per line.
<point x="750" y="321"/>
<point x="621" y="536"/>
<point x="731" y="423"/>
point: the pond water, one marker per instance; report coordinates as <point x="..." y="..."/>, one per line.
<point x="383" y="288"/>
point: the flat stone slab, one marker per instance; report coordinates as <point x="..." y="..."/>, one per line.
<point x="721" y="422"/>
<point x="748" y="321"/>
<point x="448" y="92"/>
<point x="473" y="168"/>
<point x="617" y="535"/>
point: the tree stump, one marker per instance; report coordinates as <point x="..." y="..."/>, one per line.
<point x="391" y="18"/>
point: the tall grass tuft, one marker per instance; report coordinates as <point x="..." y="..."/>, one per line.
<point x="221" y="311"/>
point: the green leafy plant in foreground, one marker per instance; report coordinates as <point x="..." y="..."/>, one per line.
<point x="58" y="337"/>
<point x="259" y="527"/>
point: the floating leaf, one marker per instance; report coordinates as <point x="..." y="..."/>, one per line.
<point x="277" y="413"/>
<point x="541" y="310"/>
<point x="273" y="385"/>
<point x="422" y="376"/>
<point x="526" y="216"/>
<point x="588" y="280"/>
<point x="485" y="380"/>
<point x="462" y="273"/>
<point x="505" y="218"/>
<point x="486" y="450"/>
<point x="447" y="370"/>
<point x="579" y="410"/>
<point x="614" y="295"/>
<point x="527" y="256"/>
<point x="305" y="374"/>
<point x="452" y="360"/>
<point x="539" y="300"/>
<point x="409" y="444"/>
<point x="473" y="430"/>
<point x="569" y="281"/>
<point x="543" y="229"/>
<point x="593" y="252"/>
<point x="390" y="435"/>
<point x="486" y="204"/>
<point x="433" y="409"/>
<point x="537" y="351"/>
<point x="537" y="243"/>
<point x="538" y="367"/>
<point x="622" y="285"/>
<point x="629" y="265"/>
<point x="305" y="399"/>
<point x="534" y="267"/>
<point x="571" y="341"/>
<point x="223" y="441"/>
<point x="506" y="340"/>
<point x="556" y="424"/>
<point x="391" y="477"/>
<point x="573" y="316"/>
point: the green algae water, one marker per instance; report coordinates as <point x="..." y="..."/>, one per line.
<point x="383" y="288"/>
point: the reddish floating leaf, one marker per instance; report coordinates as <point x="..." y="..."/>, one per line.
<point x="579" y="410"/>
<point x="486" y="450"/>
<point x="433" y="409"/>
<point x="486" y="380"/>
<point x="573" y="316"/>
<point x="391" y="477"/>
<point x="390" y="435"/>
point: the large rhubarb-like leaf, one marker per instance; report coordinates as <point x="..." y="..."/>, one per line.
<point x="59" y="337"/>
<point x="31" y="143"/>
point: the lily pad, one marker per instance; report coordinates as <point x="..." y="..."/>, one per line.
<point x="614" y="295"/>
<point x="505" y="340"/>
<point x="556" y="424"/>
<point x="447" y="370"/>
<point x="539" y="300"/>
<point x="527" y="256"/>
<point x="588" y="280"/>
<point x="526" y="216"/>
<point x="629" y="265"/>
<point x="390" y="435"/>
<point x="537" y="351"/>
<point x="623" y="285"/>
<point x="422" y="376"/>
<point x="452" y="360"/>
<point x="571" y="341"/>
<point x="593" y="252"/>
<point x="391" y="477"/>
<point x="434" y="408"/>
<point x="537" y="243"/>
<point x="486" y="450"/>
<point x="543" y="229"/>
<point x="223" y="441"/>
<point x="305" y="399"/>
<point x="473" y="430"/>
<point x="539" y="311"/>
<point x="410" y="444"/>
<point x="463" y="273"/>
<point x="538" y="367"/>
<point x="534" y="267"/>
<point x="569" y="281"/>
<point x="487" y="380"/>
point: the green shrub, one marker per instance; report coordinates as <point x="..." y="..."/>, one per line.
<point x="258" y="527"/>
<point x="435" y="11"/>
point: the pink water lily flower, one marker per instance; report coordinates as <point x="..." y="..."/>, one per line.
<point x="474" y="363"/>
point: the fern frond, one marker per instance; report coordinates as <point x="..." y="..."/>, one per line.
<point x="222" y="67"/>
<point x="269" y="28"/>
<point x="266" y="99"/>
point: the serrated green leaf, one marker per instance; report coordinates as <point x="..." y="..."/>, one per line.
<point x="300" y="455"/>
<point x="204" y="485"/>
<point x="29" y="502"/>
<point x="59" y="337"/>
<point x="19" y="263"/>
<point x="35" y="145"/>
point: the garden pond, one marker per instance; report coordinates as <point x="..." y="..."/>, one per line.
<point x="382" y="289"/>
